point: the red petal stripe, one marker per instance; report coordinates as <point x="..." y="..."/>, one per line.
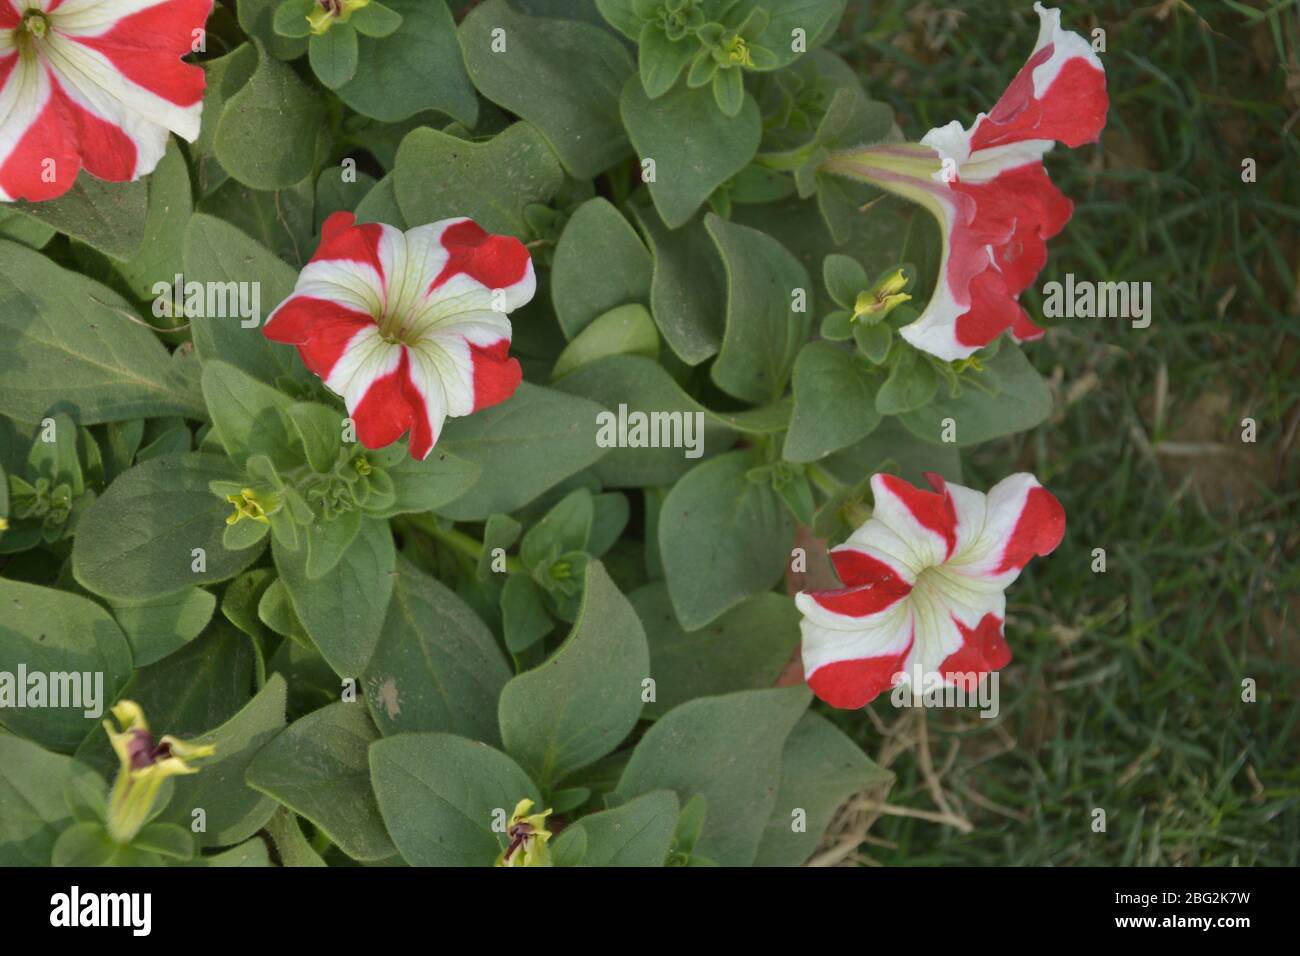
<point x="321" y="328"/>
<point x="983" y="649"/>
<point x="1038" y="531"/>
<point x="496" y="374"/>
<point x="72" y="137"/>
<point x="494" y="261"/>
<point x="1072" y="110"/>
<point x="342" y="240"/>
<point x="146" y="47"/>
<point x="856" y="683"/>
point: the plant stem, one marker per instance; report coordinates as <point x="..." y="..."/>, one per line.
<point x="458" y="541"/>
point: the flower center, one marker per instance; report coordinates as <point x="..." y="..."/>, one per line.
<point x="144" y="751"/>
<point x="35" y="23"/>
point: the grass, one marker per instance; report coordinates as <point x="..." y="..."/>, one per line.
<point x="1125" y="693"/>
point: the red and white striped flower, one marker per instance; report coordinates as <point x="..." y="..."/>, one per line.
<point x="93" y="84"/>
<point x="922" y="601"/>
<point x="987" y="187"/>
<point x="409" y="327"/>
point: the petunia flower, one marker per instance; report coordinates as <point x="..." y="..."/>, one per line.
<point x="408" y="327"/>
<point x="146" y="762"/>
<point x="93" y="84"/>
<point x="987" y="187"/>
<point x="923" y="587"/>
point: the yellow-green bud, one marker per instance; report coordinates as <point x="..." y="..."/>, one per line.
<point x="145" y="762"/>
<point x="528" y="838"/>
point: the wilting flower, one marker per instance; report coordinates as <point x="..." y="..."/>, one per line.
<point x="409" y="327"/>
<point x="528" y="838"/>
<point x="987" y="187"/>
<point x="95" y="84"/>
<point x="145" y="763"/>
<point x="923" y="587"/>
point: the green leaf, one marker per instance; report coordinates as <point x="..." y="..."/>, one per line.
<point x="437" y="667"/>
<point x="232" y="812"/>
<point x="833" y="404"/>
<point x="290" y="18"/>
<point x="911" y="384"/>
<point x="250" y="418"/>
<point x="88" y="844"/>
<point x="375" y="20"/>
<point x="165" y="839"/>
<point x="418" y="67"/>
<point x="873" y="340"/>
<point x="723" y="538"/>
<point x="728" y="749"/>
<point x="1021" y="401"/>
<point x="581" y="702"/>
<point x="170" y="206"/>
<point x="32" y="786"/>
<point x="158" y="626"/>
<point x="746" y="648"/>
<point x="334" y="54"/>
<point x="281" y="219"/>
<point x="661" y="60"/>
<point x="217" y="254"/>
<point x="319" y="768"/>
<point x="563" y="76"/>
<point x="500" y="531"/>
<point x="328" y="539"/>
<point x="225" y="75"/>
<point x="764" y="332"/>
<point x="74" y="345"/>
<point x="820" y="769"/>
<point x="266" y="135"/>
<point x="524" y="446"/>
<point x="600" y="262"/>
<point x="438" y="176"/>
<point x="688" y="168"/>
<point x="110" y="217"/>
<point x="425" y="485"/>
<point x="343" y="610"/>
<point x="626" y="330"/>
<point x="622" y="16"/>
<point x="524" y="618"/>
<point x="249" y="853"/>
<point x="816" y="19"/>
<point x="137" y="540"/>
<point x="24" y="229"/>
<point x="566" y="527"/>
<point x="893" y="444"/>
<point x="637" y="833"/>
<point x="688" y="289"/>
<point x="440" y="795"/>
<point x="643" y="387"/>
<point x="844" y="278"/>
<point x="257" y="18"/>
